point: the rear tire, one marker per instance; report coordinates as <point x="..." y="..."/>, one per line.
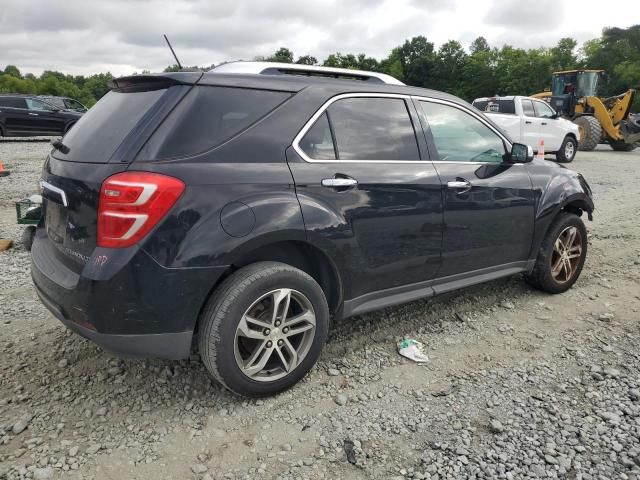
<point x="590" y="132"/>
<point x="545" y="276"/>
<point x="247" y="347"/>
<point x="27" y="237"/>
<point x="620" y="146"/>
<point x="568" y="150"/>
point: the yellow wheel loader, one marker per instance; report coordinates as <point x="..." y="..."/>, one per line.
<point x="600" y="120"/>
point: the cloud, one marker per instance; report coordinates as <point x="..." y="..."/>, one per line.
<point x="123" y="36"/>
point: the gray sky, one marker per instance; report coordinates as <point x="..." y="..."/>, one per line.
<point x="123" y="36"/>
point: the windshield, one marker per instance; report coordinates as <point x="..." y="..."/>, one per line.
<point x="588" y="84"/>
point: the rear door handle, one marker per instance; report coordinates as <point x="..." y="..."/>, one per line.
<point x="527" y="122"/>
<point x="339" y="182"/>
<point x="34" y="114"/>
<point x="544" y="123"/>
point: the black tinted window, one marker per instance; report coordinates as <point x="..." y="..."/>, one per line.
<point x="495" y="106"/>
<point x="13" y="102"/>
<point x="102" y="129"/>
<point x="210" y="115"/>
<point x="373" y="129"/>
<point x="317" y="143"/>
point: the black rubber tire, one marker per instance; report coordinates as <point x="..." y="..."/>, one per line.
<point x="540" y="277"/>
<point x="228" y="303"/>
<point x="620" y="146"/>
<point x="27" y="237"/>
<point x="560" y="154"/>
<point x="593" y="130"/>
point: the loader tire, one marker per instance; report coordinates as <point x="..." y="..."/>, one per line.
<point x="620" y="146"/>
<point x="590" y="133"/>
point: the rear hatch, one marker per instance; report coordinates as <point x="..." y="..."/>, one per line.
<point x="103" y="142"/>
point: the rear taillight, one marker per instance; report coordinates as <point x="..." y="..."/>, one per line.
<point x="131" y="204"/>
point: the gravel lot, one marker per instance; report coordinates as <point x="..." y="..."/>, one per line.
<point x="521" y="384"/>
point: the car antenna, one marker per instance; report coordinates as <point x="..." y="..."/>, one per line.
<point x="174" y="53"/>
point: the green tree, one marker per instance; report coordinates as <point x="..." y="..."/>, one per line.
<point x="307" y="60"/>
<point x="283" y="55"/>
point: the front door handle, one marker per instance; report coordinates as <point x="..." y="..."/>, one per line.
<point x="34" y="114"/>
<point x="339" y="182"/>
<point x="459" y="184"/>
<point x="527" y="122"/>
<point x="544" y="123"/>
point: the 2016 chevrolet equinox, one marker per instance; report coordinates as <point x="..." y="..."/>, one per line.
<point x="241" y="211"/>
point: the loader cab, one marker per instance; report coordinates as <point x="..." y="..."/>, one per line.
<point x="569" y="87"/>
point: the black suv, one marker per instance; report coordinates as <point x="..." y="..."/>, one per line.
<point x="30" y="115"/>
<point x="241" y="212"/>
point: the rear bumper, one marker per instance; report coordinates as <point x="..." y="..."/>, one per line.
<point x="172" y="346"/>
<point x="131" y="306"/>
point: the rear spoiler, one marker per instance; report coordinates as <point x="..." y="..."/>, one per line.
<point x="153" y="81"/>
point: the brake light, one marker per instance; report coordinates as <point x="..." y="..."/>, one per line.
<point x="131" y="204"/>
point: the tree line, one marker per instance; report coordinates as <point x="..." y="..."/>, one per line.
<point x="482" y="70"/>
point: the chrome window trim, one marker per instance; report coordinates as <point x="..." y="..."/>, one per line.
<point x="307" y="126"/>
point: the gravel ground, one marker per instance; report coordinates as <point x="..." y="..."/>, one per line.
<point x="520" y="384"/>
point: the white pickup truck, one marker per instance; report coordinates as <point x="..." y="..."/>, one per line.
<point x="528" y="120"/>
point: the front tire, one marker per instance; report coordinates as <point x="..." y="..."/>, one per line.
<point x="263" y="328"/>
<point x="567" y="151"/>
<point x="561" y="255"/>
<point x="590" y="132"/>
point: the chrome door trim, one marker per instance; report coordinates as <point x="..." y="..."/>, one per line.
<point x="296" y="141"/>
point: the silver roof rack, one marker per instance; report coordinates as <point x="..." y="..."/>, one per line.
<point x="274" y="68"/>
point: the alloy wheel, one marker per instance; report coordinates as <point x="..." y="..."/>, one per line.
<point x="567" y="252"/>
<point x="569" y="150"/>
<point x="274" y="335"/>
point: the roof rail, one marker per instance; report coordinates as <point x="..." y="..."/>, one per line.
<point x="274" y="68"/>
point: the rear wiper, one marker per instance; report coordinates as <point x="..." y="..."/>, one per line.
<point x="58" y="145"/>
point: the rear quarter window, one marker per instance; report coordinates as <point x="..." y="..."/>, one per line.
<point x="209" y="116"/>
<point x="496" y="106"/>
<point x="13" y="102"/>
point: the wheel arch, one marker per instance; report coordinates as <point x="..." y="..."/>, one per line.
<point x="296" y="253"/>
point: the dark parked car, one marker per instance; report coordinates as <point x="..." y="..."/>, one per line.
<point x="241" y="212"/>
<point x="64" y="103"/>
<point x="28" y="116"/>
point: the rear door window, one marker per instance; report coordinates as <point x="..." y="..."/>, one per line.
<point x="33" y="104"/>
<point x="209" y="116"/>
<point x="373" y="129"/>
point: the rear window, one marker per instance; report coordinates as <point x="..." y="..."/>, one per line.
<point x="209" y="116"/>
<point x="495" y="106"/>
<point x="101" y="130"/>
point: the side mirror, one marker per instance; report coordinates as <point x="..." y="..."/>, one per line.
<point x="520" y="153"/>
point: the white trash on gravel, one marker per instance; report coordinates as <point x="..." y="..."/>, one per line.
<point x="413" y="350"/>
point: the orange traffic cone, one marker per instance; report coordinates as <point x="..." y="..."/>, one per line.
<point x="3" y="172"/>
<point x="540" y="154"/>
